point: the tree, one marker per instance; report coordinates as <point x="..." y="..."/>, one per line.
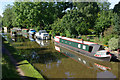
<point x="113" y="43"/>
<point x="7" y="16"/>
<point x="117" y="19"/>
<point x="89" y="11"/>
<point x="39" y="14"/>
<point x="104" y="21"/>
<point x="117" y="24"/>
<point x="104" y="5"/>
<point x="117" y="9"/>
<point x="0" y="21"/>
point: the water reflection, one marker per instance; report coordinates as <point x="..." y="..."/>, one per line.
<point x="31" y="38"/>
<point x="42" y="42"/>
<point x="105" y="74"/>
<point x="90" y="64"/>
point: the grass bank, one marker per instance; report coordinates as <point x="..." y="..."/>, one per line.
<point x="29" y="70"/>
<point x="8" y="69"/>
<point x="24" y="65"/>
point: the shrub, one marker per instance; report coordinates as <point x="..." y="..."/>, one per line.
<point x="113" y="43"/>
<point x="84" y="37"/>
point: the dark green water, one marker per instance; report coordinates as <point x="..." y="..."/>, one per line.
<point x="61" y="63"/>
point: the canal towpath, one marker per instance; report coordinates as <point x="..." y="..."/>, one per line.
<point x="21" y="73"/>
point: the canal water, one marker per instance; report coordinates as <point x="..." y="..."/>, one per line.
<point x="53" y="61"/>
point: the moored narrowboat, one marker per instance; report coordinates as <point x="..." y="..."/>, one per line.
<point x="86" y="48"/>
<point x="93" y="64"/>
<point x="42" y="34"/>
<point x="31" y="32"/>
<point x="25" y="33"/>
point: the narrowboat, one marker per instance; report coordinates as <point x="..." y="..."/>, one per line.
<point x="92" y="64"/>
<point x="90" y="49"/>
<point x="31" y="32"/>
<point x="42" y="34"/>
<point x="25" y="33"/>
<point x="13" y="33"/>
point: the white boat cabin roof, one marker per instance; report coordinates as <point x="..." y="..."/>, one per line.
<point x="78" y="41"/>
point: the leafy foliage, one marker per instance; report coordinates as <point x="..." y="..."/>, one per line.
<point x="7" y="16"/>
<point x="113" y="43"/>
<point x="104" y="21"/>
<point x="117" y="24"/>
<point x="117" y="9"/>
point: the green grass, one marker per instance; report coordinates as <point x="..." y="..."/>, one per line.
<point x="24" y="65"/>
<point x="29" y="70"/>
<point x="8" y="69"/>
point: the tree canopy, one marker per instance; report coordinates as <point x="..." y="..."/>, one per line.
<point x="81" y="18"/>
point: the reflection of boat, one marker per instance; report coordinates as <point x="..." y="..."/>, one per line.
<point x="42" y="34"/>
<point x="16" y="31"/>
<point x="31" y="38"/>
<point x="102" y="67"/>
<point x="42" y="42"/>
<point x="84" y="60"/>
<point x="86" y="48"/>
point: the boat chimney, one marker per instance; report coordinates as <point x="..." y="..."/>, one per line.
<point x="82" y="40"/>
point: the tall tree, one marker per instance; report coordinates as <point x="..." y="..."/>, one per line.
<point x="104" y="5"/>
<point x="117" y="9"/>
<point x="117" y="24"/>
<point x="0" y="21"/>
<point x="7" y="16"/>
<point x="39" y="14"/>
<point x="104" y="21"/>
<point x="89" y="11"/>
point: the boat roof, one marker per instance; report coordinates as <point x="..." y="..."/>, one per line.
<point x="24" y="29"/>
<point x="78" y="41"/>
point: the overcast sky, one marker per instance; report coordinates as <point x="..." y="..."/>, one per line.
<point x="3" y="3"/>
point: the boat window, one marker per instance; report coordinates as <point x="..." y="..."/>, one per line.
<point x="70" y="43"/>
<point x="45" y="34"/>
<point x="84" y="47"/>
<point x="39" y="33"/>
<point x="90" y="48"/>
<point x="79" y="45"/>
<point x="101" y="47"/>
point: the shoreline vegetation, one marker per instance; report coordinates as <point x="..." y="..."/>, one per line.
<point x="69" y="19"/>
<point x="27" y="69"/>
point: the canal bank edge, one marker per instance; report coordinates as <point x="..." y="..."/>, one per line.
<point x="24" y="65"/>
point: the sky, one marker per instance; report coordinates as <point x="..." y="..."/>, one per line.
<point x="3" y="3"/>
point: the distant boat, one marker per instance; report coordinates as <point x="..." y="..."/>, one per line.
<point x="25" y="33"/>
<point x="31" y="32"/>
<point x="42" y="34"/>
<point x="86" y="48"/>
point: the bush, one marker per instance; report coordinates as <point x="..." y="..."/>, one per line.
<point x="84" y="37"/>
<point x="113" y="43"/>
